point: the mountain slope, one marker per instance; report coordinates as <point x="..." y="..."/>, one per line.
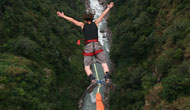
<point x="41" y="66"/>
<point x="150" y="47"/>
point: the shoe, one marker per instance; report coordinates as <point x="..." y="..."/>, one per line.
<point x="92" y="85"/>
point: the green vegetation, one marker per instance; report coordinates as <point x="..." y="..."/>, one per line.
<point x="40" y="65"/>
<point x="150" y="47"/>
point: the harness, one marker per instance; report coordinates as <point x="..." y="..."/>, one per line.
<point x="94" y="52"/>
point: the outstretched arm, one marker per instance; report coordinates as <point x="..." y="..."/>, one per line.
<point x="61" y="14"/>
<point x="97" y="21"/>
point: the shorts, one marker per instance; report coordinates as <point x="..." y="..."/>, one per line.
<point x="99" y="57"/>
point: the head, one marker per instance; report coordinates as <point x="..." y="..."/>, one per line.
<point x="88" y="17"/>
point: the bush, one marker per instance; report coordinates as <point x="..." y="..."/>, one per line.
<point x="25" y="85"/>
<point x="163" y="63"/>
<point x="26" y="47"/>
<point x="175" y="86"/>
<point x="148" y="81"/>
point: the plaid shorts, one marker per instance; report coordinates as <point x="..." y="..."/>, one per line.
<point x="90" y="48"/>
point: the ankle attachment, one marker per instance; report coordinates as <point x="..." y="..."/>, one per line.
<point x="91" y="77"/>
<point x="107" y="75"/>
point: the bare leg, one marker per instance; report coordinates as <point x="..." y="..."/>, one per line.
<point x="88" y="70"/>
<point x="105" y="67"/>
<point x="93" y="83"/>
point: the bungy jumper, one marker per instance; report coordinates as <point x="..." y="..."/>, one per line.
<point x="99" y="102"/>
<point x="93" y="53"/>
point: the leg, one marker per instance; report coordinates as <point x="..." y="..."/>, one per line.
<point x="106" y="72"/>
<point x="107" y="76"/>
<point x="88" y="60"/>
<point x="105" y="67"/>
<point x="93" y="83"/>
<point x="87" y="63"/>
<point x="88" y="70"/>
<point x="101" y="58"/>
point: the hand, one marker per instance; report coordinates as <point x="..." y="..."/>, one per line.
<point x="61" y="14"/>
<point x="110" y="5"/>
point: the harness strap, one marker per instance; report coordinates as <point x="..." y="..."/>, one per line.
<point x="88" y="54"/>
<point x="91" y="54"/>
<point x="93" y="40"/>
<point x="78" y="41"/>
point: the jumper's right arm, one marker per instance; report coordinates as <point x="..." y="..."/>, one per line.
<point x="97" y="21"/>
<point x="61" y="14"/>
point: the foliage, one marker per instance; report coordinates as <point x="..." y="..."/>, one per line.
<point x="152" y="35"/>
<point x="34" y="42"/>
<point x="24" y="84"/>
<point x="129" y="82"/>
<point x="177" y="85"/>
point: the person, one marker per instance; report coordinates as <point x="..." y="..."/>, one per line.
<point x="92" y="45"/>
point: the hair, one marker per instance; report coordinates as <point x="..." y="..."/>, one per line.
<point x="88" y="16"/>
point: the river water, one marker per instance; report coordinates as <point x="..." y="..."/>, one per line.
<point x="89" y="100"/>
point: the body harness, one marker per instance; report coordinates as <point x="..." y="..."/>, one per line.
<point x="94" y="51"/>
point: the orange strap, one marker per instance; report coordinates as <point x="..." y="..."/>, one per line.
<point x="99" y="103"/>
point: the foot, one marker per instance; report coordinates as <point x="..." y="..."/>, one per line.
<point x="109" y="84"/>
<point x="107" y="77"/>
<point x="92" y="85"/>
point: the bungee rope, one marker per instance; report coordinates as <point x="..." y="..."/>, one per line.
<point x="99" y="103"/>
<point x="97" y="77"/>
